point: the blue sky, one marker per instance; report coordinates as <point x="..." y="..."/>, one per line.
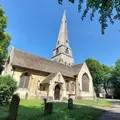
<point x="34" y="27"/>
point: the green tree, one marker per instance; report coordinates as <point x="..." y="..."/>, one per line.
<point x="107" y="74"/>
<point x="96" y="71"/>
<point x="116" y="79"/>
<point x="7" y="88"/>
<point x="107" y="10"/>
<point x="4" y="37"/>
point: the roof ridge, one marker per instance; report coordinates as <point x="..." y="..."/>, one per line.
<point x="42" y="58"/>
<point x="34" y="62"/>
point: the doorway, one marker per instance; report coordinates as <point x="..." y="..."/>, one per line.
<point x="57" y="92"/>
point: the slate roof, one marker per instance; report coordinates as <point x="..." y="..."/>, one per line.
<point x="48" y="78"/>
<point x="77" y="68"/>
<point x="27" y="60"/>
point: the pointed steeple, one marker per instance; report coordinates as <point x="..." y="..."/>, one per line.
<point x="63" y="53"/>
<point x="63" y="32"/>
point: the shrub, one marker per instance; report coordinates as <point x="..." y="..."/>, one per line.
<point x="7" y="88"/>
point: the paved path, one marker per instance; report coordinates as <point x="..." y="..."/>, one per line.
<point x="114" y="113"/>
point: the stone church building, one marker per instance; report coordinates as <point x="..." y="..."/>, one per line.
<point x="57" y="79"/>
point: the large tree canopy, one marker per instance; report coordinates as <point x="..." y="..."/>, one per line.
<point x="107" y="10"/>
<point x="107" y="74"/>
<point x="96" y="71"/>
<point x="116" y="79"/>
<point x="4" y="37"/>
<point x="101" y="75"/>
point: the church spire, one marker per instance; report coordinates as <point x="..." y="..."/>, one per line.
<point x="63" y="53"/>
<point x="63" y="32"/>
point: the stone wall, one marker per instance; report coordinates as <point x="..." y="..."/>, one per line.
<point x="79" y="92"/>
<point x="35" y="79"/>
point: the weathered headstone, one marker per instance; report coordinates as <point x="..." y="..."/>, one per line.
<point x="26" y="95"/>
<point x="70" y="103"/>
<point x="44" y="100"/>
<point x="48" y="108"/>
<point x="13" y="109"/>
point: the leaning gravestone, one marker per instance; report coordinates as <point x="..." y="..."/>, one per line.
<point x="70" y="103"/>
<point x="13" y="109"/>
<point x="48" y="108"/>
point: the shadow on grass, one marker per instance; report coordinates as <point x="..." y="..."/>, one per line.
<point x="60" y="112"/>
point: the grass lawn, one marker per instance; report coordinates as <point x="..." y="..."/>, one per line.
<point x="98" y="102"/>
<point x="33" y="110"/>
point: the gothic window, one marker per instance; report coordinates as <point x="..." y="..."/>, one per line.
<point x="67" y="51"/>
<point x="66" y="41"/>
<point x="85" y="83"/>
<point x="59" y="77"/>
<point x="57" y="51"/>
<point x="24" y="80"/>
<point x="44" y="88"/>
<point x="72" y="86"/>
<point x="67" y="85"/>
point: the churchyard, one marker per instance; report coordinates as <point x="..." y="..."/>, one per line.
<point x="34" y="110"/>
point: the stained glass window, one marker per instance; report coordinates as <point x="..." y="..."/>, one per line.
<point x="24" y="80"/>
<point x="72" y="86"/>
<point x="85" y="83"/>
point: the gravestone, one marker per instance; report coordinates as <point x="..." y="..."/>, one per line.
<point x="70" y="103"/>
<point x="13" y="109"/>
<point x="44" y="101"/>
<point x="48" y="108"/>
<point x="26" y="96"/>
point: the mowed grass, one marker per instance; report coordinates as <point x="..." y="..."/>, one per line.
<point x="98" y="102"/>
<point x="34" y="109"/>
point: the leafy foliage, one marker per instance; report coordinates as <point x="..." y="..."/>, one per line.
<point x="116" y="79"/>
<point x="96" y="71"/>
<point x="4" y="37"/>
<point x="104" y="8"/>
<point x="106" y="77"/>
<point x="101" y="75"/>
<point x="7" y="88"/>
<point x="107" y="83"/>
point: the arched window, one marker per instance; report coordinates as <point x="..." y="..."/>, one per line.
<point x="67" y="85"/>
<point x="57" y="51"/>
<point x="85" y="83"/>
<point x="72" y="86"/>
<point x="24" y="80"/>
<point x="67" y="51"/>
<point x="59" y="77"/>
